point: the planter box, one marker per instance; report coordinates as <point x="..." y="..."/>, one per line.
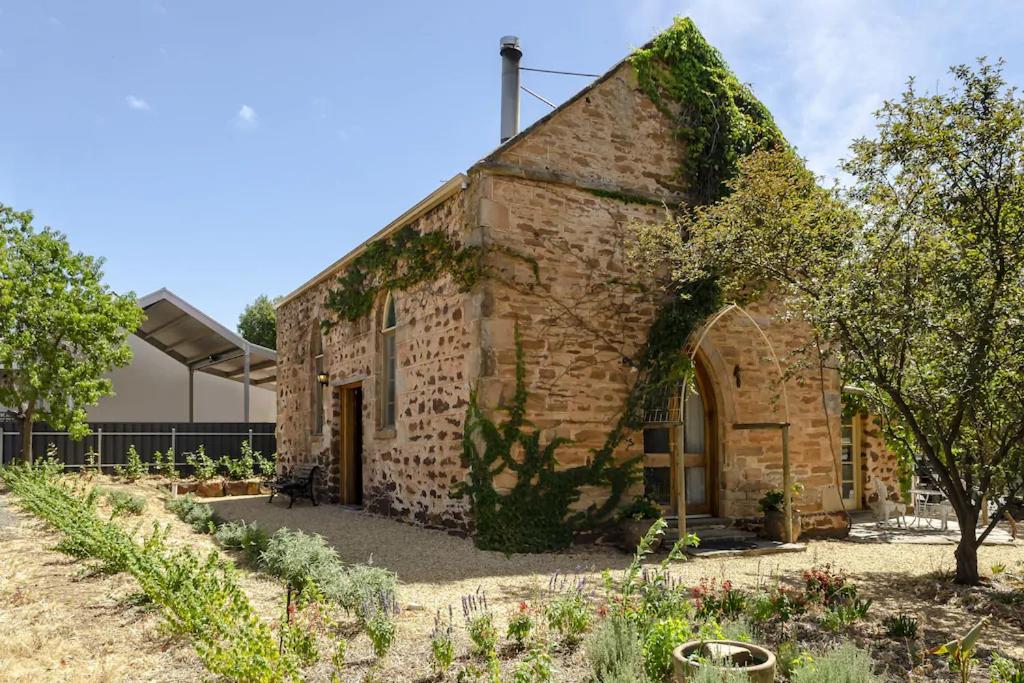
<point x="746" y="658"/>
<point x="253" y="487"/>
<point x="210" y="489"/>
<point x="236" y="488"/>
<point x="184" y="487"/>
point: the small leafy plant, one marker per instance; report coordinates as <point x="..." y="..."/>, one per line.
<point x="124" y="503"/>
<point x="133" y="469"/>
<point x="442" y="644"/>
<point x="845" y="664"/>
<point x="378" y="618"/>
<point x="568" y="614"/>
<point x="520" y="625"/>
<point x="535" y="667"/>
<point x="900" y="626"/>
<point x="960" y="652"/>
<point x="480" y="628"/>
<point x="203" y="466"/>
<point x="163" y="464"/>
<point x="248" y="537"/>
<point x="199" y="516"/>
<point x="1004" y="670"/>
<point x="237" y="469"/>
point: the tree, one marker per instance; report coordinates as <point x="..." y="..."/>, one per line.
<point x="61" y="328"/>
<point x="258" y="322"/>
<point x="912" y="279"/>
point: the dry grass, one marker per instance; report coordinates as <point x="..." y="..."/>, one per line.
<point x="97" y="637"/>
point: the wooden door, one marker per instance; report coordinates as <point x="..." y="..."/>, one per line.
<point x="350" y="440"/>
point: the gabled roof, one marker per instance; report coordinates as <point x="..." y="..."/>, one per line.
<point x="199" y="342"/>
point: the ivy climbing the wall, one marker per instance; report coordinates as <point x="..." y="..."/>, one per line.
<point x="400" y="261"/>
<point x="535" y="514"/>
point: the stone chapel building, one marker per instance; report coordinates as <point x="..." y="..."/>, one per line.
<point x="380" y="403"/>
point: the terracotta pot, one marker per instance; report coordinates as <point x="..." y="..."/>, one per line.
<point x="213" y="488"/>
<point x="775" y="525"/>
<point x="184" y="487"/>
<point x="236" y="488"/>
<point x="753" y="660"/>
<point x="253" y="487"/>
<point x="631" y="531"/>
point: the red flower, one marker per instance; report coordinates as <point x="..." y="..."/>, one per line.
<point x="523" y="606"/>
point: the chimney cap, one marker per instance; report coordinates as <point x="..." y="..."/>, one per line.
<point x="511" y="44"/>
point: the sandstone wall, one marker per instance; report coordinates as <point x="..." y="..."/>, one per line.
<point x="407" y="470"/>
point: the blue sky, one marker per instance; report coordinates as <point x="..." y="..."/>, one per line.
<point x="226" y="149"/>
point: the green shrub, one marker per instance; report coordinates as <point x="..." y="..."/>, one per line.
<point x="442" y="644"/>
<point x="900" y="626"/>
<point x="535" y="667"/>
<point x="199" y="516"/>
<point x="377" y="616"/>
<point x="163" y="464"/>
<point x="1006" y="670"/>
<point x="250" y="538"/>
<point x="200" y="598"/>
<point x="844" y="614"/>
<point x="265" y="466"/>
<point x="520" y="625"/>
<point x="295" y="557"/>
<point x="133" y="469"/>
<point x="844" y="664"/>
<point x="242" y="467"/>
<point x="203" y="466"/>
<point x="614" y="652"/>
<point x="122" y="502"/>
<point x="660" y="641"/>
<point x="568" y="614"/>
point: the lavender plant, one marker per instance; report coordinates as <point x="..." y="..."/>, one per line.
<point x="377" y="615"/>
<point x="442" y="643"/>
<point x="568" y="614"/>
<point x="480" y="624"/>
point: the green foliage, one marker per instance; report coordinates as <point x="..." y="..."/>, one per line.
<point x="960" y="652"/>
<point x="717" y="118"/>
<point x="263" y="466"/>
<point x="641" y="507"/>
<point x="520" y="625"/>
<point x="199" y="516"/>
<point x="845" y="664"/>
<point x="614" y="652"/>
<point x="163" y="464"/>
<point x="198" y="598"/>
<point x="377" y="616"/>
<point x="203" y="466"/>
<point x="911" y="281"/>
<point x="295" y="556"/>
<point x="568" y="614"/>
<point x="659" y="642"/>
<point x="1004" y="670"/>
<point x="535" y="667"/>
<point x="398" y="262"/>
<point x="133" y="469"/>
<point x="442" y="644"/>
<point x="242" y="467"/>
<point x="900" y="626"/>
<point x="844" y="614"/>
<point x="483" y="634"/>
<point x="706" y="674"/>
<point x="258" y="322"/>
<point x="124" y="503"/>
<point x="534" y="515"/>
<point x="248" y="537"/>
<point x="62" y="330"/>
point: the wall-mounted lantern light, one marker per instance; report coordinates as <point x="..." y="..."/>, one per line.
<point x="323" y="378"/>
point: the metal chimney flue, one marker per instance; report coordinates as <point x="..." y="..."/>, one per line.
<point x="510" y="56"/>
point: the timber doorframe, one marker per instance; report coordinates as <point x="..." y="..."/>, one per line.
<point x="705" y="388"/>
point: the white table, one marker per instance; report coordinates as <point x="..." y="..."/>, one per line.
<point x="930" y="500"/>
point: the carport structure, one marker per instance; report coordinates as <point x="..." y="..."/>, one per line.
<point x="202" y="344"/>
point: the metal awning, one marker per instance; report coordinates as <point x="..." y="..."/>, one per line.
<point x="202" y="344"/>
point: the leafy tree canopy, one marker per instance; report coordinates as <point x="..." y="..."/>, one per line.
<point x="61" y="328"/>
<point x="912" y="280"/>
<point x="258" y="322"/>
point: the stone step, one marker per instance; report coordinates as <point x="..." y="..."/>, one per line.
<point x="707" y="529"/>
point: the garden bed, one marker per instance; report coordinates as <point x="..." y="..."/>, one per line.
<point x="436" y="570"/>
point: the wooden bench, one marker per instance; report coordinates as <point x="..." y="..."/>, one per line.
<point x="299" y="483"/>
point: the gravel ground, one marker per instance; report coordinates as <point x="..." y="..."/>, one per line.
<point x="88" y="630"/>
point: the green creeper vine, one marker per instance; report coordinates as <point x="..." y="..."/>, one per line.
<point x="400" y="261"/>
<point x="534" y="515"/>
<point x="717" y="118"/>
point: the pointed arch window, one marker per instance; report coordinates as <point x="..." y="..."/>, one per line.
<point x="389" y="362"/>
<point x="316" y="351"/>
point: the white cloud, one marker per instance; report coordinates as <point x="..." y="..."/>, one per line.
<point x="246" y="117"/>
<point x="137" y="103"/>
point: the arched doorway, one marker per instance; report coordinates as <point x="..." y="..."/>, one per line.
<point x="685" y="430"/>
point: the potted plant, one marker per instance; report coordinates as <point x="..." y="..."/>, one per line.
<point x="635" y="519"/>
<point x="204" y="470"/>
<point x="773" y="504"/>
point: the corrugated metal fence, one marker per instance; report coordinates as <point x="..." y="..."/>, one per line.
<point x="110" y="441"/>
